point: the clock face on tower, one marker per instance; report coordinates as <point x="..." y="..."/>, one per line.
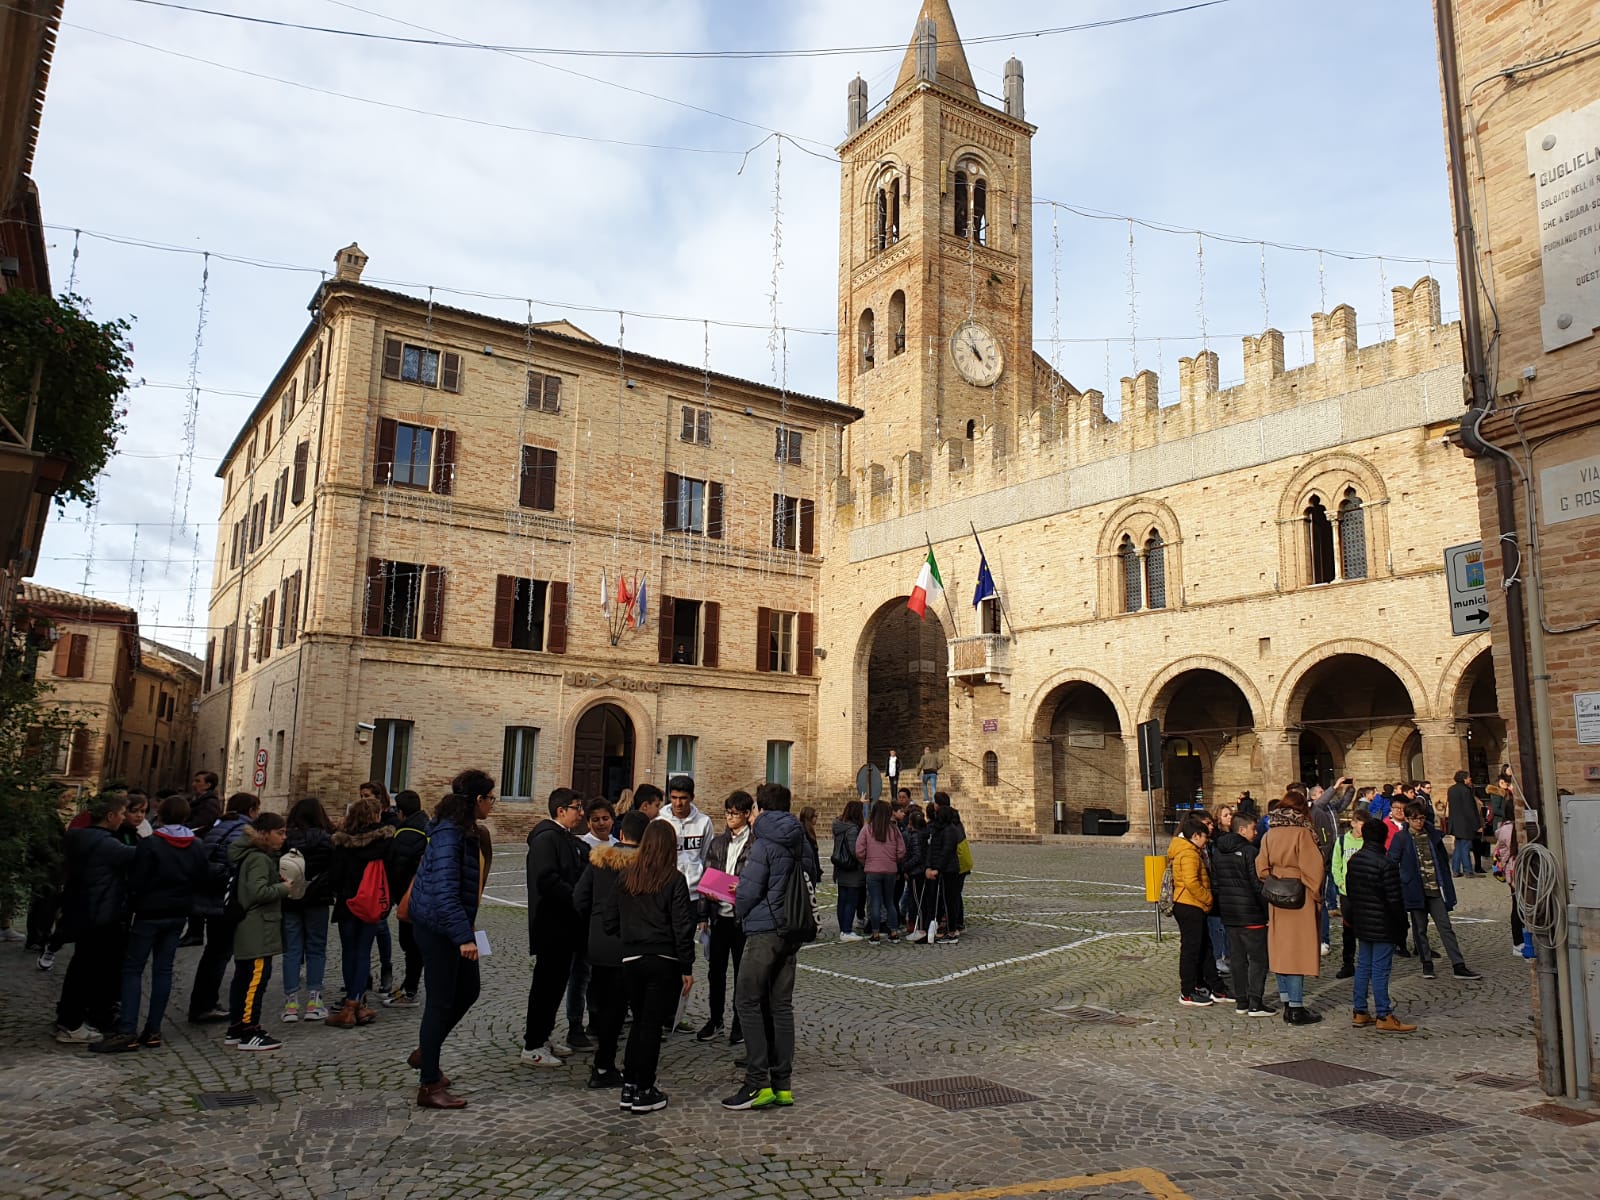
<point x="977" y="353"/>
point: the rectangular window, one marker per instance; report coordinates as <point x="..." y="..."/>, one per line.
<point x="266" y="436"/>
<point x="778" y="754"/>
<point x="417" y="364"/>
<point x="794" y="524"/>
<point x="277" y="760"/>
<point x="544" y="392"/>
<point x="780" y="642"/>
<point x="404" y="600"/>
<point x="536" y="487"/>
<point x="302" y="458"/>
<point x="788" y="448"/>
<point x="72" y="655"/>
<point x="519" y="762"/>
<point x="691" y="506"/>
<point x="211" y="662"/>
<point x="696" y="426"/>
<point x="286" y="411"/>
<point x="989" y="615"/>
<point x="520" y="613"/>
<point x="686" y="646"/>
<point x="680" y="755"/>
<point x="413" y="455"/>
<point x="391" y="754"/>
<point x="250" y="454"/>
<point x="405" y="453"/>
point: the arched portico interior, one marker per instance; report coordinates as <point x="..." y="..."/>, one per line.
<point x="1086" y="768"/>
<point x="1208" y="745"/>
<point x="903" y="661"/>
<point x="1353" y="715"/>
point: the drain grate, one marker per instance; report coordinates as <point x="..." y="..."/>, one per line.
<point x="1320" y="1072"/>
<point x="1084" y="1015"/>
<point x="961" y="1092"/>
<point x="1559" y="1115"/>
<point x="216" y="1100"/>
<point x="339" y="1120"/>
<point x="1503" y="1082"/>
<point x="1395" y="1121"/>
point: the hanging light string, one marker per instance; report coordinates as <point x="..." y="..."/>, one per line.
<point x="1133" y="306"/>
<point x="72" y="273"/>
<point x="1266" y="310"/>
<point x="1200" y="274"/>
<point x="184" y="480"/>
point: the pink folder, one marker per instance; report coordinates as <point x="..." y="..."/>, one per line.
<point x="717" y="884"/>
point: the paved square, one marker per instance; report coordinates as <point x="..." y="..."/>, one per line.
<point x="1169" y="1100"/>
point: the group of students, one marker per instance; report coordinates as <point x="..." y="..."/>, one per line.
<point x="1252" y="894"/>
<point x="904" y="866"/>
<point x="614" y="915"/>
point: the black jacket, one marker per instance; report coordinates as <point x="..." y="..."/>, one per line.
<point x="1234" y="882"/>
<point x="1373" y="903"/>
<point x="717" y="856"/>
<point x="209" y="900"/>
<point x="410" y="840"/>
<point x="316" y="847"/>
<point x="942" y="843"/>
<point x="351" y="854"/>
<point x="916" y="859"/>
<point x="168" y="872"/>
<point x="594" y="893"/>
<point x="659" y="923"/>
<point x="1461" y="812"/>
<point x="97" y="880"/>
<point x="205" y="810"/>
<point x="556" y="859"/>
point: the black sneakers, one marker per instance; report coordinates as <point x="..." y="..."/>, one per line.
<point x="648" y="1100"/>
<point x="708" y="1031"/>
<point x="1462" y="971"/>
<point x="577" y="1039"/>
<point x="1199" y="998"/>
<point x="629" y="1094"/>
<point x="605" y="1077"/>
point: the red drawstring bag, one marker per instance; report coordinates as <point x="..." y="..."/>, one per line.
<point x="370" y="904"/>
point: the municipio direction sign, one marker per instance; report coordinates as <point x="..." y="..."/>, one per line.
<point x="1469" y="598"/>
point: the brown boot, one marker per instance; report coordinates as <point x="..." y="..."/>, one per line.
<point x="365" y="1015"/>
<point x="436" y="1095"/>
<point x="344" y="1018"/>
<point x="414" y="1061"/>
<point x="1393" y="1024"/>
<point x="1360" y="1020"/>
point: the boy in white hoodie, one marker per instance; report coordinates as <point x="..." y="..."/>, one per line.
<point x="693" y="828"/>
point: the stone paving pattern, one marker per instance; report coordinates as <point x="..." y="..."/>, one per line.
<point x="1050" y="927"/>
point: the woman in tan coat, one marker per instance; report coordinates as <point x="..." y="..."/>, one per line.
<point x="1289" y="851"/>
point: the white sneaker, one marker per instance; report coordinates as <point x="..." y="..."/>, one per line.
<point x="10" y="935"/>
<point x="1516" y="952"/>
<point x="849" y="937"/>
<point x="559" y="1049"/>
<point x="83" y="1035"/>
<point x="314" y="1009"/>
<point x="291" y="1010"/>
<point x="540" y="1058"/>
<point x="47" y="958"/>
<point x="916" y="935"/>
<point x="1325" y="949"/>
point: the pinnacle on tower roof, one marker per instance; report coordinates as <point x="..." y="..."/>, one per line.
<point x="950" y="57"/>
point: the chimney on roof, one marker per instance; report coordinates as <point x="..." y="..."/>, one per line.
<point x="349" y="263"/>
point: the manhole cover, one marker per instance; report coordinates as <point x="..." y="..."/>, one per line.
<point x="1395" y="1121"/>
<point x="1503" y="1082"/>
<point x="228" y="1099"/>
<point x="336" y="1120"/>
<point x="1096" y="1016"/>
<point x="1320" y="1072"/>
<point x="961" y="1092"/>
<point x="1558" y="1115"/>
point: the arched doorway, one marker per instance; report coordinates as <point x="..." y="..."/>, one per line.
<point x="1088" y="761"/>
<point x="1477" y="705"/>
<point x="1208" y="742"/>
<point x="908" y="685"/>
<point x="602" y="753"/>
<point x="1359" y="717"/>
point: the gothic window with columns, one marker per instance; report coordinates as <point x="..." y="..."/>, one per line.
<point x="972" y="202"/>
<point x="1155" y="570"/>
<point x="1352" y="536"/>
<point x="1132" y="576"/>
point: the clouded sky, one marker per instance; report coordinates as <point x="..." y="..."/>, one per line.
<point x="1290" y="121"/>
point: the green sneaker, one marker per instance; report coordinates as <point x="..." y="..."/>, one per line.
<point x="783" y="1099"/>
<point x="765" y="1098"/>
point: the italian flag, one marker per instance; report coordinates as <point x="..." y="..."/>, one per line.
<point x="929" y="587"/>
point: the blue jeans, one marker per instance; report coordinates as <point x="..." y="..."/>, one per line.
<point x="1219" y="936"/>
<point x="1373" y="962"/>
<point x="148" y="938"/>
<point x="305" y="940"/>
<point x="1292" y="989"/>
<point x="930" y="785"/>
<point x="851" y="901"/>
<point x="577" y="992"/>
<point x="880" y="904"/>
<point x="385" y="946"/>
<point x="355" y="954"/>
<point x="1461" y="857"/>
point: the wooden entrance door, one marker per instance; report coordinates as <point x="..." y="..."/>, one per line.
<point x="602" y="753"/>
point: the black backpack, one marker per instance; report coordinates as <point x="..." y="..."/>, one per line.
<point x="797" y="922"/>
<point x="232" y="910"/>
<point x="844" y="851"/>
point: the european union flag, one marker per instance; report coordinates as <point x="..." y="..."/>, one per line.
<point x="985" y="587"/>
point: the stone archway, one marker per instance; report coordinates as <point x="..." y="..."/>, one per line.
<point x="1086" y="767"/>
<point x="603" y="752"/>
<point x="1476" y="707"/>
<point x="1208" y="741"/>
<point x="903" y="669"/>
<point x="1361" y="711"/>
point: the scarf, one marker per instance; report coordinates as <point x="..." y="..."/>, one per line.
<point x="1279" y="817"/>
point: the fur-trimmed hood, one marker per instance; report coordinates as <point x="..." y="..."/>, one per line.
<point x="612" y="858"/>
<point x="354" y="841"/>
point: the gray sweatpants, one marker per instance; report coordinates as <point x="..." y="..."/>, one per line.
<point x="1447" y="933"/>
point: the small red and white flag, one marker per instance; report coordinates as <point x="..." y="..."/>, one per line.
<point x="624" y="596"/>
<point x="929" y="587"/>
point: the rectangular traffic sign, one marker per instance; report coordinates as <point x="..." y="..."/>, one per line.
<point x="1467" y="588"/>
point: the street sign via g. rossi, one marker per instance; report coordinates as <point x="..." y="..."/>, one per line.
<point x="1469" y="596"/>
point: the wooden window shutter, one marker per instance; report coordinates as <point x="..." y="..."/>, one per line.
<point x="763" y="636"/>
<point x="505" y="590"/>
<point x="777" y="521"/>
<point x="78" y="764"/>
<point x="432" y="604"/>
<point x="283" y="603"/>
<point x="376" y="588"/>
<point x="211" y="656"/>
<point x="63" y="662"/>
<point x="392" y="353"/>
<point x="669" y="505"/>
<point x="302" y="459"/>
<point x="316" y="368"/>
<point x="444" y="461"/>
<point x="545" y="497"/>
<point x="269" y="612"/>
<point x="383" y="464"/>
<point x="704" y="426"/>
<point x="714" y="510"/>
<point x="555" y="626"/>
<point x="528" y="481"/>
<point x="687" y="433"/>
<point x="664" y="631"/>
<point x="294" y="623"/>
<point x="805" y="639"/>
<point x="713" y="632"/>
<point x="450" y="372"/>
<point x="552" y="393"/>
<point x="78" y="660"/>
<point x="808" y="526"/>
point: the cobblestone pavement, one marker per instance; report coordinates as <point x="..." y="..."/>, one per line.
<point x="1165" y="1102"/>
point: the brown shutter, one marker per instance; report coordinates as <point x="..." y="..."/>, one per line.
<point x="444" y="462"/>
<point x="79" y="658"/>
<point x="294" y="623"/>
<point x="450" y="372"/>
<point x="546" y="495"/>
<point x="552" y="393"/>
<point x="686" y="434"/>
<point x="664" y="631"/>
<point x="555" y="625"/>
<point x="669" y="505"/>
<point x="527" y="482"/>
<point x="714" y="510"/>
<point x="705" y="426"/>
<point x="763" y="637"/>
<point x="505" y="590"/>
<point x="269" y="613"/>
<point x="78" y="763"/>
<point x="808" y="526"/>
<point x="432" y="604"/>
<point x="392" y="353"/>
<point x="777" y="522"/>
<point x="211" y="656"/>
<point x="302" y="459"/>
<point x="805" y="643"/>
<point x="63" y="663"/>
<point x="713" y="629"/>
<point x="283" y="603"/>
<point x="383" y="466"/>
<point x="375" y="597"/>
<point x="316" y="368"/>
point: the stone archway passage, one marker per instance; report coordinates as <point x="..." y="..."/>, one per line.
<point x="1088" y="760"/>
<point x="1477" y="707"/>
<point x="1359" y="714"/>
<point x="602" y="753"/>
<point x="908" y="685"/>
<point x="1208" y="743"/>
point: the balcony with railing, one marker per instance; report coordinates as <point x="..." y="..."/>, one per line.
<point x="983" y="658"/>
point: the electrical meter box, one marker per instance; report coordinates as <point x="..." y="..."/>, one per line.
<point x="1580" y="823"/>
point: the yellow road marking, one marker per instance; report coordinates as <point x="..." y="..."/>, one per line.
<point x="1154" y="1182"/>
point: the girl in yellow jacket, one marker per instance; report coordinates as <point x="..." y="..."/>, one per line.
<point x="1198" y="980"/>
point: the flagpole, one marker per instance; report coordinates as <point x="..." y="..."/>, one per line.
<point x="955" y="630"/>
<point x="998" y="598"/>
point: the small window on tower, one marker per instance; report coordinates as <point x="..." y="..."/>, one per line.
<point x="866" y="334"/>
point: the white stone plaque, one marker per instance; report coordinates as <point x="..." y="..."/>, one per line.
<point x="1086" y="733"/>
<point x="1564" y="160"/>
<point x="1586" y="709"/>
<point x="1570" y="491"/>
